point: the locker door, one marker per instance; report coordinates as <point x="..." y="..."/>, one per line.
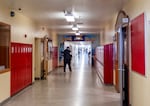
<point x="30" y="65"/>
<point x="12" y="69"/>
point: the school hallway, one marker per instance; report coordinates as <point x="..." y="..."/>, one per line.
<point x="81" y="87"/>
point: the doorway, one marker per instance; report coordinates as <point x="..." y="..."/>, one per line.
<point x="125" y="74"/>
<point x="81" y="52"/>
<point x="123" y="65"/>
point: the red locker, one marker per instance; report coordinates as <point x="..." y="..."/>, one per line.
<point x="108" y="64"/>
<point x="21" y="66"/>
<point x="55" y="57"/>
<point x="104" y="63"/>
<point x="30" y="65"/>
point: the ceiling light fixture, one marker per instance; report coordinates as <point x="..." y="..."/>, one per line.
<point x="69" y="16"/>
<point x="75" y="28"/>
<point x="77" y="33"/>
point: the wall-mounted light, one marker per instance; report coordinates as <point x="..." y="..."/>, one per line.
<point x="75" y="28"/>
<point x="69" y="16"/>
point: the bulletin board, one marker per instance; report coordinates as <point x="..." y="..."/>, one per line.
<point x="138" y="44"/>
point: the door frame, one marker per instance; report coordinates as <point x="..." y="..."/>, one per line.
<point x="121" y="61"/>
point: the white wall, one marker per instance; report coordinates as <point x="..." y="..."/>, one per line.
<point x="20" y="25"/>
<point x="140" y="85"/>
<point x="5" y="86"/>
<point x="107" y="33"/>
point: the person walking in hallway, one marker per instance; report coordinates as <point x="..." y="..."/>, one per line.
<point x="67" y="58"/>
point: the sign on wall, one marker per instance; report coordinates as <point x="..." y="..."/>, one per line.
<point x="138" y="44"/>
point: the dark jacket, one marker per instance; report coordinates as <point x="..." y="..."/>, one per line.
<point x="67" y="55"/>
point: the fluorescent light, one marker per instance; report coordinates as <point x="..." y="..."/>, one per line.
<point x="77" y="33"/>
<point x="70" y="18"/>
<point x="75" y="28"/>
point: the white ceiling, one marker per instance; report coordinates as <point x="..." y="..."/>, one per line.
<point x="50" y="13"/>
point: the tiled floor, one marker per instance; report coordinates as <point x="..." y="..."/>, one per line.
<point x="81" y="87"/>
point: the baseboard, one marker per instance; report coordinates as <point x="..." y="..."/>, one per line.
<point x="6" y="100"/>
